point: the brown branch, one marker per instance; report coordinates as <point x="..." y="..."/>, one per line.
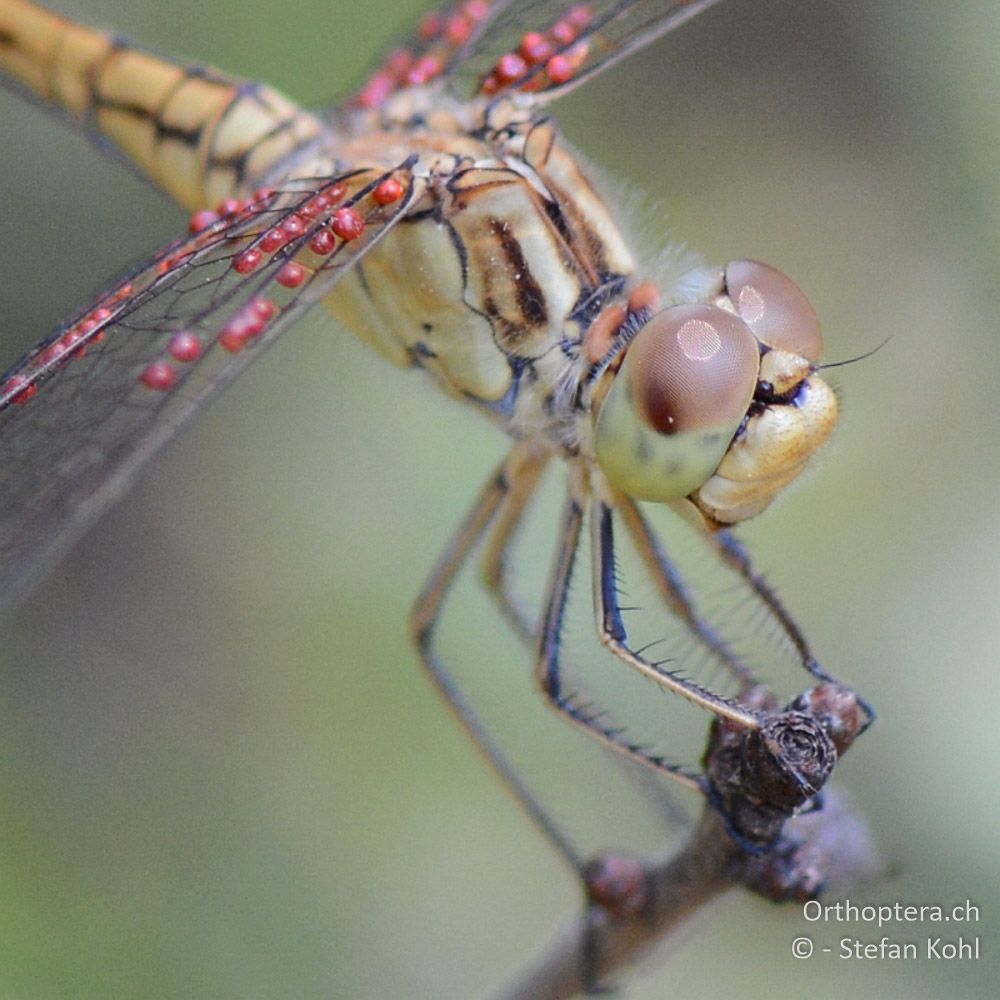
<point x="750" y="836"/>
<point x="823" y="849"/>
<point x="678" y="886"/>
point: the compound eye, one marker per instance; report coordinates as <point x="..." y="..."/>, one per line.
<point x="691" y="368"/>
<point x="680" y="396"/>
<point x="775" y="308"/>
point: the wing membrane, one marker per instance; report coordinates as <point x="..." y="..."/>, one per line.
<point x="84" y="410"/>
<point x="586" y="37"/>
<point x="432" y="51"/>
<point x="540" y="48"/>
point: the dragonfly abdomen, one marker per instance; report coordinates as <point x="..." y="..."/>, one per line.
<point x="198" y="134"/>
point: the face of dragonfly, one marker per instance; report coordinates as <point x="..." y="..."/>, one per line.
<point x="717" y="401"/>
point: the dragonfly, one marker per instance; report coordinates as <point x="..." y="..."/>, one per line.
<point x="436" y="214"/>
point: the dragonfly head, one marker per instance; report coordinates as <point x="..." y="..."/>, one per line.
<point x="718" y="402"/>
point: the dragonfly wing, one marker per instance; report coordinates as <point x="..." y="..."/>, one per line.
<point x="431" y="52"/>
<point x="544" y="48"/>
<point x="85" y="409"/>
<point x="539" y="48"/>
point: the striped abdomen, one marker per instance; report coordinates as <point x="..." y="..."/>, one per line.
<point x="199" y="135"/>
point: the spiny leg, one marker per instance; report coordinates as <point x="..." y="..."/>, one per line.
<point x="674" y="592"/>
<point x="495" y="578"/>
<point x="549" y="667"/>
<point x="615" y="883"/>
<point x="736" y="557"/>
<point x="612" y="882"/>
<point x="490" y="504"/>
<point x="612" y="633"/>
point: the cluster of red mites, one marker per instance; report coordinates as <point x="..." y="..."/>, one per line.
<point x="23" y="386"/>
<point x="553" y="50"/>
<point x="229" y="209"/>
<point x="344" y="223"/>
<point x="203" y="225"/>
<point x="185" y="346"/>
<point x="442" y="34"/>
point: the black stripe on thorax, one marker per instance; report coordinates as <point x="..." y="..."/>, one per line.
<point x="530" y="297"/>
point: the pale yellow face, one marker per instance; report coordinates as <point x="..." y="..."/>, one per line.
<point x="719" y="402"/>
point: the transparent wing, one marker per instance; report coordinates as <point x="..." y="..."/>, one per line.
<point x="432" y="51"/>
<point x="82" y="411"/>
<point x="541" y="48"/>
<point x="546" y="47"/>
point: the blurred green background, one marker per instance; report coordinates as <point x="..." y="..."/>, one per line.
<point x="223" y="775"/>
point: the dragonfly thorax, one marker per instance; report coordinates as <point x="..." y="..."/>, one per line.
<point x="494" y="276"/>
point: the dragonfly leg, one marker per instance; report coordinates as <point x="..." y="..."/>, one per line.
<point x="736" y="557"/>
<point x="549" y="669"/>
<point x="495" y="565"/>
<point x="525" y="625"/>
<point x="613" y="883"/>
<point x="611" y="628"/>
<point x="505" y="487"/>
<point x="674" y="592"/>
